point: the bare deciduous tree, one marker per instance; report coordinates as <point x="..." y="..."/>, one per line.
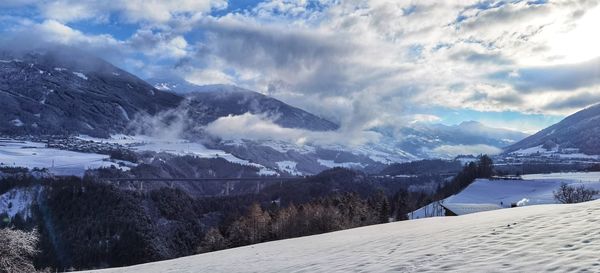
<point x="17" y="250"/>
<point x="568" y="194"/>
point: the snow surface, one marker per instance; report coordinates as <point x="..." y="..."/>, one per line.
<point x="17" y="122"/>
<point x="289" y="167"/>
<point x="33" y="154"/>
<point x="561" y="238"/>
<point x="18" y="201"/>
<point x="539" y="150"/>
<point x="177" y="147"/>
<point x="332" y="164"/>
<point x="572" y="176"/>
<point x="535" y="189"/>
<point x="81" y="75"/>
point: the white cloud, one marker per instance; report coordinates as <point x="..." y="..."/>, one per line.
<point x="360" y="63"/>
<point x="455" y="150"/>
<point x="259" y="127"/>
<point x="209" y="76"/>
<point x="153" y="11"/>
<point x="416" y="118"/>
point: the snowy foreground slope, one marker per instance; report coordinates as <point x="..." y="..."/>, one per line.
<point x="525" y="239"/>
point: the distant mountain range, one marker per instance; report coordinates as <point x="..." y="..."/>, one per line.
<point x="579" y="132"/>
<point x="426" y="140"/>
<point x="60" y="91"/>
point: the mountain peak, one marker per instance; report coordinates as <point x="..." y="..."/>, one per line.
<point x="471" y="123"/>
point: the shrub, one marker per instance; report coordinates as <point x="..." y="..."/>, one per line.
<point x="567" y="194"/>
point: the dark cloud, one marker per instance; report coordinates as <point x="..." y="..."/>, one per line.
<point x="575" y="102"/>
<point x="309" y="61"/>
<point x="482" y="58"/>
<point x="557" y="77"/>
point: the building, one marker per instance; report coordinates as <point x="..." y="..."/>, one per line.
<point x="456" y="209"/>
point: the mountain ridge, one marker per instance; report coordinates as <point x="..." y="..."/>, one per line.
<point x="579" y="130"/>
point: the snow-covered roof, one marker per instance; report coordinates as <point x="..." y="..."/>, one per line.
<point x="462" y="208"/>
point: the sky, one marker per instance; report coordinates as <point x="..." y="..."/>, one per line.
<point x="522" y="65"/>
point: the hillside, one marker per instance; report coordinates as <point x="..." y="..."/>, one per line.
<point x="222" y="100"/>
<point x="64" y="90"/>
<point x="526" y="239"/>
<point x="579" y="131"/>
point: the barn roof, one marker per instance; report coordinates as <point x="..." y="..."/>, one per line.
<point x="463" y="208"/>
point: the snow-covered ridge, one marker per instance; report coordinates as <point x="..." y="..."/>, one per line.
<point x="540" y="238"/>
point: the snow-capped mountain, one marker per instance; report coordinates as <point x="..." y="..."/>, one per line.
<point x="577" y="133"/>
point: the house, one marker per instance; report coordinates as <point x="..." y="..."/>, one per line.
<point x="456" y="209"/>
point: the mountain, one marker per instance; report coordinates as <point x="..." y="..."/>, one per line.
<point x="465" y="133"/>
<point x="424" y="140"/>
<point x="60" y="91"/>
<point x="222" y="100"/>
<point x="578" y="131"/>
<point x="173" y="84"/>
<point x="66" y="91"/>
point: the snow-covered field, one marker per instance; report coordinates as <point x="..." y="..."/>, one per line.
<point x="333" y="164"/>
<point x="32" y="154"/>
<point x="540" y="151"/>
<point x="534" y="189"/>
<point x="176" y="147"/>
<point x="559" y="238"/>
<point x="573" y="177"/>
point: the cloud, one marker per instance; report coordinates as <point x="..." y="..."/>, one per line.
<point x="575" y="102"/>
<point x="359" y="63"/>
<point x="259" y="127"/>
<point x="153" y="11"/>
<point x="425" y="118"/>
<point x="455" y="150"/>
<point x="158" y="44"/>
<point x="557" y="77"/>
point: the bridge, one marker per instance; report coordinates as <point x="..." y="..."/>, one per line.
<point x="260" y="182"/>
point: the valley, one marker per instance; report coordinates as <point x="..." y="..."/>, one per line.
<point x="299" y="136"/>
